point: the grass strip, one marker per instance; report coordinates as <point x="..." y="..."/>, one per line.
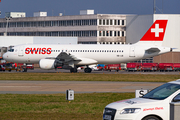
<point x="88" y="77"/>
<point x="55" y="106"/>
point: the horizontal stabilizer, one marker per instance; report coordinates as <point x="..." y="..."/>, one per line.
<point x="152" y="50"/>
<point x="173" y="49"/>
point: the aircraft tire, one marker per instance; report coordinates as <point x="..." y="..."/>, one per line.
<point x="87" y="70"/>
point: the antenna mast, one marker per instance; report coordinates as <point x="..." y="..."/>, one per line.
<point x="154" y="10"/>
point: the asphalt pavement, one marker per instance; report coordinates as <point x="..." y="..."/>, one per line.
<point x="53" y="87"/>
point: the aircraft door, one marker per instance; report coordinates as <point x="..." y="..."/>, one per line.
<point x="132" y="52"/>
<point x="21" y="51"/>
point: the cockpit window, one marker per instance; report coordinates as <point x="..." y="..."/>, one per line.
<point x="11" y="50"/>
<point x="162" y="92"/>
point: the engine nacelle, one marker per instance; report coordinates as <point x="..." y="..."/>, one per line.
<point x="47" y="64"/>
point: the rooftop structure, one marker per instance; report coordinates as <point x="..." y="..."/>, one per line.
<point x="15" y="14"/>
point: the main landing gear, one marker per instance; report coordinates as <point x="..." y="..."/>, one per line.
<point x="25" y="67"/>
<point x="87" y="70"/>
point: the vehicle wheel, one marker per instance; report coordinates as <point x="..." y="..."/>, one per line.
<point x="9" y="70"/>
<point x="151" y="118"/>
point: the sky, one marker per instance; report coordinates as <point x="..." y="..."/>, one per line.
<point x="73" y="7"/>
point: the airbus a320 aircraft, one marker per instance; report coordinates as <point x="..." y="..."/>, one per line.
<point x="50" y="56"/>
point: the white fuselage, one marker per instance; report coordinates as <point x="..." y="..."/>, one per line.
<point x="88" y="54"/>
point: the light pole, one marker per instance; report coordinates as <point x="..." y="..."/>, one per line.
<point x="7" y="19"/>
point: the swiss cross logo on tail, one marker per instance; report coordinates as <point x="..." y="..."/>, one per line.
<point x="156" y="31"/>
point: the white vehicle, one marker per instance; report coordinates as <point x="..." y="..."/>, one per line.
<point x="73" y="56"/>
<point x="154" y="105"/>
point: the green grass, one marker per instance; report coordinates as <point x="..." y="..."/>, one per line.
<point x="88" y="77"/>
<point x="55" y="106"/>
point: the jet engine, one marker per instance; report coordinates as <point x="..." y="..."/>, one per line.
<point x="50" y="64"/>
<point x="47" y="64"/>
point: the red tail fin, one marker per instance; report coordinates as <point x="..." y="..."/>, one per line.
<point x="156" y="31"/>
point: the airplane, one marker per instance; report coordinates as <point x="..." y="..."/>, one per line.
<point x="51" y="56"/>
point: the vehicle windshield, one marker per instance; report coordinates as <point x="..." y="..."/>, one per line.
<point x="162" y="92"/>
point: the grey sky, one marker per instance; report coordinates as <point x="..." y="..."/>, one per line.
<point x="72" y="7"/>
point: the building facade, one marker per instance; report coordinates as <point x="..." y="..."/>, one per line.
<point x="90" y="29"/>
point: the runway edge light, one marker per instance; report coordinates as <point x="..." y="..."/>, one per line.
<point x="70" y="95"/>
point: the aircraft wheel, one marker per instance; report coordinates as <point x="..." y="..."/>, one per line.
<point x="87" y="70"/>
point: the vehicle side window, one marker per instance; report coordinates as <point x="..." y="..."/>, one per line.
<point x="177" y="98"/>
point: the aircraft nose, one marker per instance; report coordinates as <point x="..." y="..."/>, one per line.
<point x="5" y="56"/>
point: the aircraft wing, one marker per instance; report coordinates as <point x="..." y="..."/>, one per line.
<point x="63" y="56"/>
<point x="152" y="50"/>
<point x="68" y="59"/>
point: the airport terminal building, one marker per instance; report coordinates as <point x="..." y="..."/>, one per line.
<point x="90" y="28"/>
